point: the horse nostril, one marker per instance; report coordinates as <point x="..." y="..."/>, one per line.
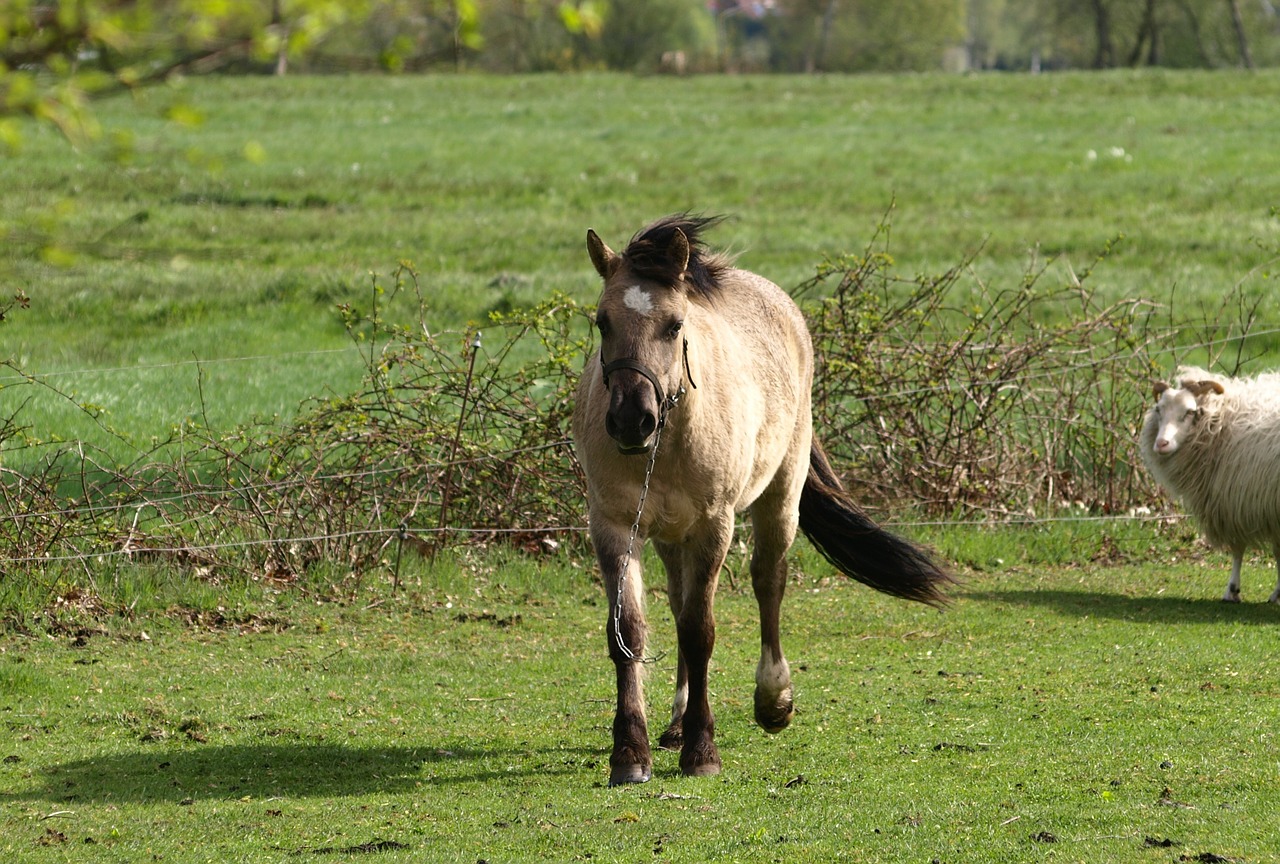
<point x="648" y="423"/>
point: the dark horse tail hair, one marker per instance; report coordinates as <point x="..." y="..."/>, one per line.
<point x="857" y="546"/>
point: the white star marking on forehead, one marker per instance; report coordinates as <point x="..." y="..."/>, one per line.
<point x="638" y="300"/>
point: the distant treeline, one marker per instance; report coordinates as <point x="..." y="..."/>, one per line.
<point x="135" y="40"/>
<point x="805" y="35"/>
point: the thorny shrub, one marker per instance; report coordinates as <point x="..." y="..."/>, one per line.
<point x="965" y="400"/>
<point x="451" y="437"/>
<point x="943" y="393"/>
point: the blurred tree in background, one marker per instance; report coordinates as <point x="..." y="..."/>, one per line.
<point x="830" y="35"/>
<point x="56" y="55"/>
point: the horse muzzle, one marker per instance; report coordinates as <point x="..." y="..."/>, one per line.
<point x="633" y="416"/>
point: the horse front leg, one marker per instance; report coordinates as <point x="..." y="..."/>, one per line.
<point x="696" y="632"/>
<point x="631" y="760"/>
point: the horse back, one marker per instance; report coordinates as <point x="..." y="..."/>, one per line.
<point x="768" y="383"/>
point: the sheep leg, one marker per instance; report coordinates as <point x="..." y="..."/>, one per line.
<point x="1233" y="586"/>
<point x="1275" y="595"/>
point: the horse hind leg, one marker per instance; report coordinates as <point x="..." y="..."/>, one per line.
<point x="672" y="737"/>
<point x="774" y="702"/>
<point x="774" y="698"/>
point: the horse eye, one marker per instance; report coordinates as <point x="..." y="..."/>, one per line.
<point x="674" y="330"/>
<point x="602" y="324"/>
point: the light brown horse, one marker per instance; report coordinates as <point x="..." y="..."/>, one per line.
<point x="697" y="407"/>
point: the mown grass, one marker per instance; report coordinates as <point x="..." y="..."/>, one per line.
<point x="1077" y="712"/>
<point x="237" y="236"/>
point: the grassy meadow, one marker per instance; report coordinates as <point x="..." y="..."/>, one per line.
<point x="190" y="264"/>
<point x="1085" y="698"/>
<point x="1106" y="710"/>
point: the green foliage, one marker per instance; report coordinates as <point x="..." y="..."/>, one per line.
<point x="407" y="36"/>
<point x="54" y="58"/>
<point x="439" y="445"/>
<point x="1063" y="33"/>
<point x="950" y="393"/>
<point x="819" y="35"/>
<point x="585" y="18"/>
<point x="636" y="36"/>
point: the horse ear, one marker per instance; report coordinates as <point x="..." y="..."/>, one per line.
<point x="678" y="252"/>
<point x="1158" y="387"/>
<point x="604" y="258"/>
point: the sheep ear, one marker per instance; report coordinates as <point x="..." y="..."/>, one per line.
<point x="1158" y="387"/>
<point x="1202" y="388"/>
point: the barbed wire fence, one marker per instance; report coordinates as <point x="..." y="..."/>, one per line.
<point x="943" y="400"/>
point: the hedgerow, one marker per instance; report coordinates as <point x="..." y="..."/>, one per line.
<point x="942" y="396"/>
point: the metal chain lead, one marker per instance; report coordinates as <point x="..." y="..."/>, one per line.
<point x="667" y="404"/>
<point x="626" y="560"/>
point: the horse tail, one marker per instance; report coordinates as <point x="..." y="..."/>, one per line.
<point x="857" y="546"/>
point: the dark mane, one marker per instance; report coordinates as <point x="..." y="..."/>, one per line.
<point x="647" y="253"/>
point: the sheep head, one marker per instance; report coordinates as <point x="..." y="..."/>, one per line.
<point x="1178" y="410"/>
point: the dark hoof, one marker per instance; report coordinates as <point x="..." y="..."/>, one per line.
<point x="623" y="775"/>
<point x="672" y="739"/>
<point x="703" y="762"/>
<point x="706" y="769"/>
<point x="774" y="717"/>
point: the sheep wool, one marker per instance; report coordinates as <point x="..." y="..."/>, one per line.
<point x="1214" y="443"/>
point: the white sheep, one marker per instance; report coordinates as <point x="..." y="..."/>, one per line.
<point x="1214" y="443"/>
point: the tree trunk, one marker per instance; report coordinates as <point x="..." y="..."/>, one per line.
<point x="1106" y="55"/>
<point x="277" y="24"/>
<point x="1237" y="21"/>
<point x="1148" y="30"/>
<point x="824" y="36"/>
<point x="1197" y="35"/>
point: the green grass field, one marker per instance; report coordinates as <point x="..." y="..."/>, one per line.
<point x="1086" y="698"/>
<point x="1058" y="711"/>
<point x="236" y="237"/>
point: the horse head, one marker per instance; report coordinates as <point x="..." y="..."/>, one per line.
<point x="641" y="319"/>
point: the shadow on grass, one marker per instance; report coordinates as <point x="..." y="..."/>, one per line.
<point x="1151" y="610"/>
<point x="195" y="772"/>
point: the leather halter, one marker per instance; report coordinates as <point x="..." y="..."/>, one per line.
<point x="665" y="402"/>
